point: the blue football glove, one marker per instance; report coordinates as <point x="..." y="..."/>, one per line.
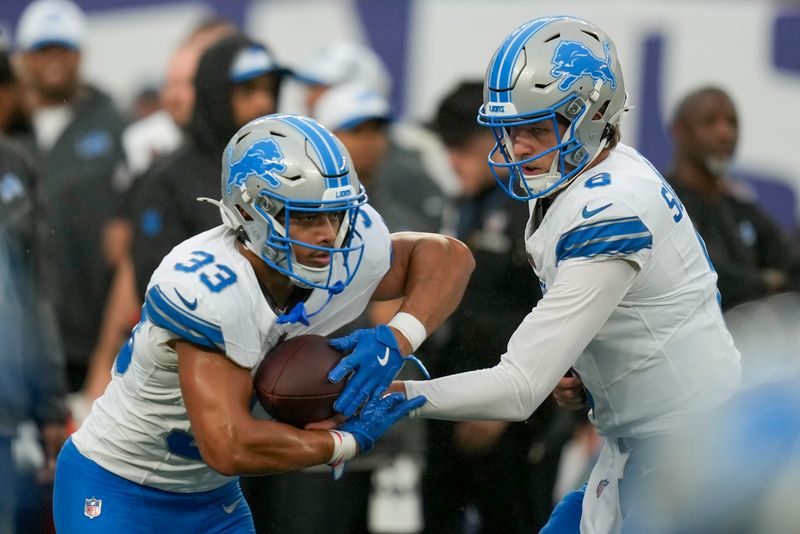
<point x="375" y="362"/>
<point x="566" y="516"/>
<point x="377" y="416"/>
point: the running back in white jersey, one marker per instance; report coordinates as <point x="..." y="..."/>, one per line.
<point x="665" y="349"/>
<point x="204" y="291"/>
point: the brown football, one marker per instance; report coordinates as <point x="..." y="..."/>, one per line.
<point x="291" y="383"/>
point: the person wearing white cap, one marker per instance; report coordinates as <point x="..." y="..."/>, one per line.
<point x="51" y="23"/>
<point x="359" y="117"/>
<point x="76" y="142"/>
<point x="397" y="176"/>
<point x="343" y="62"/>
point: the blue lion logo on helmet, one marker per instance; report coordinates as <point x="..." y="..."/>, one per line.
<point x="573" y="60"/>
<point x="263" y="158"/>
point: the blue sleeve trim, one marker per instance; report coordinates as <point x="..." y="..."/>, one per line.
<point x="170" y="316"/>
<point x="618" y="236"/>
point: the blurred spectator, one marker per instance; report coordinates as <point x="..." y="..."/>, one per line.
<point x="161" y="133"/>
<point x="13" y="116"/>
<point x="237" y="80"/>
<point x="362" y="119"/>
<point x="76" y="142"/>
<point x="415" y="173"/>
<point x="487" y="476"/>
<point x="31" y="360"/>
<point x="752" y="258"/>
<point x="343" y="62"/>
<point x="144" y="142"/>
<point x="146" y="102"/>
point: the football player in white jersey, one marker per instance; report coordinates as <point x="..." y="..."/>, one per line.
<point x="630" y="307"/>
<point x="300" y="251"/>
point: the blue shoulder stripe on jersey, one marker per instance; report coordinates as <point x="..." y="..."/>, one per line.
<point x="161" y="311"/>
<point x="609" y="248"/>
<point x="501" y="73"/>
<point x="617" y="236"/>
<point x="331" y="158"/>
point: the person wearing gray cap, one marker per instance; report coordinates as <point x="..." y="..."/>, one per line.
<point x="76" y="142"/>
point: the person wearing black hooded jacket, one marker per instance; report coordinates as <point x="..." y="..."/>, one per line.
<point x="237" y="81"/>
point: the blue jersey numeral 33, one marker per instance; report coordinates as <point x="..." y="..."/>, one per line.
<point x="216" y="277"/>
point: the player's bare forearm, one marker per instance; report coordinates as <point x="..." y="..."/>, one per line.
<point x="217" y="394"/>
<point x="430" y="272"/>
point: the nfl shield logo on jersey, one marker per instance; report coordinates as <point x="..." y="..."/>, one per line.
<point x="92" y="507"/>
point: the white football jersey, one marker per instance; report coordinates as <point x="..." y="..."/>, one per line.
<point x="665" y="348"/>
<point x="206" y="292"/>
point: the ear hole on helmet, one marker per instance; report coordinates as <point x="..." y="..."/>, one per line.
<point x="246" y="216"/>
<point x="600" y="113"/>
<point x="593" y="35"/>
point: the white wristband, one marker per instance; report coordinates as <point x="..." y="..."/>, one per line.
<point x="344" y="447"/>
<point x="411" y="327"/>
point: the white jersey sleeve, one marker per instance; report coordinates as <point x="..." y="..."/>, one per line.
<point x="541" y="350"/>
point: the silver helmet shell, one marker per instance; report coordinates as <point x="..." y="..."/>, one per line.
<point x="550" y="69"/>
<point x="278" y="167"/>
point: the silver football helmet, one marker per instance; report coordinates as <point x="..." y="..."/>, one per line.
<point x="281" y="166"/>
<point x="550" y="68"/>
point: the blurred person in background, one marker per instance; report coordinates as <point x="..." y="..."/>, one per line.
<point x="414" y="173"/>
<point x="237" y="80"/>
<point x="629" y="322"/>
<point x="32" y="384"/>
<point x="343" y="62"/>
<point x="146" y="102"/>
<point x="479" y="476"/>
<point x="14" y="118"/>
<point x="362" y="119"/>
<point x="160" y="134"/>
<point x="752" y="257"/>
<point x="145" y="142"/>
<point x="76" y="146"/>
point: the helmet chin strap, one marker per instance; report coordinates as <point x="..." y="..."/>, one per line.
<point x="299" y="314"/>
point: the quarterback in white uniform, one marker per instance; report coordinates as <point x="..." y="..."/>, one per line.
<point x="630" y="304"/>
<point x="299" y="252"/>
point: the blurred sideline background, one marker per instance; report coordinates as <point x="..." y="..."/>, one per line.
<point x="667" y="47"/>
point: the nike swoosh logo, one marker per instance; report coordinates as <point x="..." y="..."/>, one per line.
<point x="383" y="361"/>
<point x="231" y="507"/>
<point x="191" y="305"/>
<point x="591" y="213"/>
